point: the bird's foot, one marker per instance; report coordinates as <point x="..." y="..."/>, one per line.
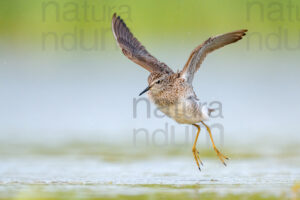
<point x="197" y="158"/>
<point x="221" y="156"/>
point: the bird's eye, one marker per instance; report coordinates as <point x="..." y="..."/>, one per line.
<point x="158" y="82"/>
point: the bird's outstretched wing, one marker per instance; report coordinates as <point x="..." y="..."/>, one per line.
<point x="133" y="49"/>
<point x="199" y="53"/>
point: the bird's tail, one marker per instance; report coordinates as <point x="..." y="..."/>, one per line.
<point x="206" y="112"/>
<point x="210" y="110"/>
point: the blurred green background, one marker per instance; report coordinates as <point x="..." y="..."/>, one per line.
<point x="63" y="72"/>
<point x="26" y="21"/>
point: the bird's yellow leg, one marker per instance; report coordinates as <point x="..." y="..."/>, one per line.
<point x="194" y="150"/>
<point x="220" y="155"/>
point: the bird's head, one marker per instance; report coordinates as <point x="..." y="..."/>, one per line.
<point x="156" y="83"/>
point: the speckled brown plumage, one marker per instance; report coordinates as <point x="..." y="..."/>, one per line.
<point x="173" y="92"/>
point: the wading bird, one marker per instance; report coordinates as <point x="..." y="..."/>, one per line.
<point x="173" y="92"/>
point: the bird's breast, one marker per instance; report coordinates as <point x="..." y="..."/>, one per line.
<point x="184" y="110"/>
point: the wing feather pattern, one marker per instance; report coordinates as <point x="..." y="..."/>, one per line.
<point x="199" y="53"/>
<point x="133" y="49"/>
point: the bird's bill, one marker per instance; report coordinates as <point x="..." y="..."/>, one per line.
<point x="145" y="90"/>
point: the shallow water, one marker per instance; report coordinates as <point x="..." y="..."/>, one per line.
<point x="87" y="177"/>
